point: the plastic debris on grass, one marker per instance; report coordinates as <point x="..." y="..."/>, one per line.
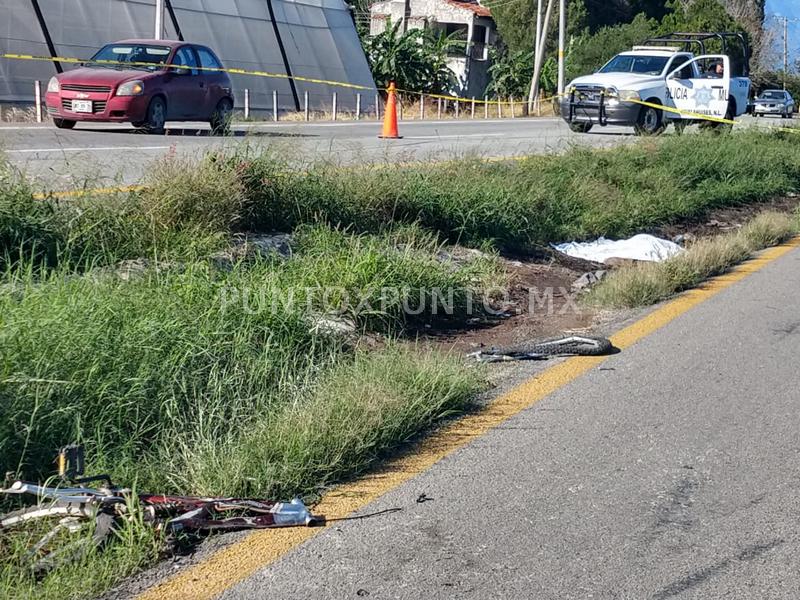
<point x="640" y="247"/>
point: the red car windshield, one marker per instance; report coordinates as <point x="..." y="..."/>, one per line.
<point x="136" y="54"/>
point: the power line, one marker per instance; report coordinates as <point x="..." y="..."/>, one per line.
<point x="501" y="4"/>
<point x="783" y="18"/>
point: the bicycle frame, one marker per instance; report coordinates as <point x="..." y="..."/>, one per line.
<point x="70" y="495"/>
<point x="181" y="512"/>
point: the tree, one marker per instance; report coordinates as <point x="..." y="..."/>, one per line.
<point x="415" y="60"/>
<point x="516" y="19"/>
<point x="590" y="52"/>
<point x="699" y="15"/>
<point x="510" y="74"/>
<point x="599" y="29"/>
<point x="516" y="23"/>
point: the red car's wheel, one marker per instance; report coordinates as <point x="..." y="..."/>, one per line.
<point x="221" y="119"/>
<point x="156" y="117"/>
<point x="63" y="123"/>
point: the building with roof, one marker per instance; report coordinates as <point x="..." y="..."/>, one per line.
<point x="468" y="17"/>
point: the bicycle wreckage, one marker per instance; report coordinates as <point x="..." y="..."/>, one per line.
<point x="71" y="511"/>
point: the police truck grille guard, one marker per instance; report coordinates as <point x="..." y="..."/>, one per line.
<point x="590" y="92"/>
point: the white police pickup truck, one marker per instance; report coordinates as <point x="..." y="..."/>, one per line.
<point x="630" y="88"/>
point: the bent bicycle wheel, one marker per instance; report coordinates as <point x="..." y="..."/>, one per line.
<point x="573" y="345"/>
<point x="42" y="538"/>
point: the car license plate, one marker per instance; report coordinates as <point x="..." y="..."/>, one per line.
<point x="82" y="106"/>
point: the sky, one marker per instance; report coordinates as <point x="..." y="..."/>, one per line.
<point x="791" y="9"/>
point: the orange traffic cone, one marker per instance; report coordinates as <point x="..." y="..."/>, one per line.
<point x="390" y="115"/>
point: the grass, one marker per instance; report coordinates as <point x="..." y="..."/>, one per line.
<point x="27" y="228"/>
<point x="519" y="206"/>
<point x="187" y="210"/>
<point x="648" y="283"/>
<point x="315" y="434"/>
<point x="197" y="379"/>
<point x="174" y="382"/>
<point x="336" y="427"/>
<point x="119" y="365"/>
<point x="135" y="547"/>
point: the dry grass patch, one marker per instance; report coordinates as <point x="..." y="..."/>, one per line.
<point x="648" y="283"/>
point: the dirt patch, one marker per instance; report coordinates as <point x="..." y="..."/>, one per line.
<point x="725" y="219"/>
<point x="539" y="303"/>
<point x="542" y="302"/>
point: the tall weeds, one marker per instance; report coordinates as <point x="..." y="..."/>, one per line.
<point x="648" y="283"/>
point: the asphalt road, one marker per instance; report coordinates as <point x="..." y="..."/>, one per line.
<point x="671" y="471"/>
<point x="105" y="155"/>
<point x="96" y="156"/>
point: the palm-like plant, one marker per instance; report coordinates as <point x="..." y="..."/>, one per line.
<point x="415" y="60"/>
<point x="510" y="73"/>
<point x="439" y="46"/>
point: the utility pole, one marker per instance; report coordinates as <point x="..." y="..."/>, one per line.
<point x="536" y="45"/>
<point x="785" y="49"/>
<point x="159" y="26"/>
<point x="537" y="67"/>
<point x="562" y="34"/>
<point x="159" y="29"/>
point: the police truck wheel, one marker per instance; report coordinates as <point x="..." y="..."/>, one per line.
<point x="730" y="115"/>
<point x="581" y="127"/>
<point x="650" y="121"/>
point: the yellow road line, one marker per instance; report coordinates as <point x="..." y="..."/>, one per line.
<point x="233" y="564"/>
<point x="377" y="166"/>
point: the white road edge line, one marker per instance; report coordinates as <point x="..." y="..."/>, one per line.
<point x="197" y="125"/>
<point x="85" y="149"/>
<point x="462" y="135"/>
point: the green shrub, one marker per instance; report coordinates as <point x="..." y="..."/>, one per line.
<point x="535" y="201"/>
<point x="28" y="227"/>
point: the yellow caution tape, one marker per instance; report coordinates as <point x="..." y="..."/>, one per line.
<point x="150" y="65"/>
<point x="712" y="118"/>
<point x="685" y="112"/>
<point x="698" y="116"/>
<point x="234" y="71"/>
<point x="521" y="102"/>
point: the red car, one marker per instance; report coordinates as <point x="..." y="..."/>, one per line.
<point x="146" y="93"/>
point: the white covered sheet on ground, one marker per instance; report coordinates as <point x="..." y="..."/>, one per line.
<point x="639" y="247"/>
